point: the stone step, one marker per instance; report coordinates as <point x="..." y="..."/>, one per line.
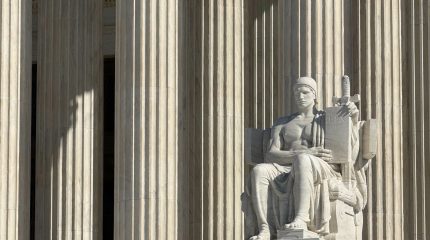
<point x="297" y="234"/>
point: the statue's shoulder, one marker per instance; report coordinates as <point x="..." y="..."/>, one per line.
<point x="284" y="120"/>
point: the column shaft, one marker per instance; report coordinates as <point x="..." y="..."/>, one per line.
<point x="313" y="46"/>
<point x="289" y="39"/>
<point x="69" y="120"/>
<point x="416" y="167"/>
<point x="221" y="127"/>
<point x="381" y="91"/>
<point x="212" y="97"/>
<point x="146" y="120"/>
<point x="15" y="118"/>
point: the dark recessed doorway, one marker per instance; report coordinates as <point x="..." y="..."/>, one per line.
<point x="108" y="148"/>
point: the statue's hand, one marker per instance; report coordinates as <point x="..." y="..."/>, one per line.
<point x="352" y="111"/>
<point x="324" y="154"/>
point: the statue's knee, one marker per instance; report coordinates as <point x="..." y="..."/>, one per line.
<point x="302" y="160"/>
<point x="259" y="171"/>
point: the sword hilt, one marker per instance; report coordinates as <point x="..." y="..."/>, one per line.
<point x="346" y="93"/>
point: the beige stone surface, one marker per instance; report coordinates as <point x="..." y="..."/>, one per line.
<point x="298" y="234"/>
<point x="416" y="167"/>
<point x="108" y="28"/>
<point x="343" y="222"/>
<point x="288" y="39"/>
<point x="211" y="146"/>
<point x="69" y="120"/>
<point x="146" y="120"/>
<point x="338" y="130"/>
<point x="15" y="119"/>
<point x="369" y="143"/>
<point x="380" y="76"/>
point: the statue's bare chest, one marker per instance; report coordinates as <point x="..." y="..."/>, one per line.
<point x="297" y="134"/>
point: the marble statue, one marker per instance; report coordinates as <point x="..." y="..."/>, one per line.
<point x="311" y="169"/>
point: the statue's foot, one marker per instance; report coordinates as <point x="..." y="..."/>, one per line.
<point x="296" y="224"/>
<point x="263" y="235"/>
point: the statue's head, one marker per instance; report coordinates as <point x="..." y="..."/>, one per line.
<point x="305" y="92"/>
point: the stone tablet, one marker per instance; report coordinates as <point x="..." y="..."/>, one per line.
<point x="338" y="128"/>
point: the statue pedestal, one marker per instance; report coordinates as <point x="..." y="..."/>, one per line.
<point x="344" y="223"/>
<point x="297" y="234"/>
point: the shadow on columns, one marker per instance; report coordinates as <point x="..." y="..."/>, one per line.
<point x="108" y="149"/>
<point x="69" y="146"/>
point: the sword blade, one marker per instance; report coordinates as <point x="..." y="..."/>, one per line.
<point x="346" y="86"/>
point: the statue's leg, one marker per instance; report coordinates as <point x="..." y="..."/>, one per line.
<point x="261" y="176"/>
<point x="302" y="190"/>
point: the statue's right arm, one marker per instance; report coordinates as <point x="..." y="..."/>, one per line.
<point x="274" y="153"/>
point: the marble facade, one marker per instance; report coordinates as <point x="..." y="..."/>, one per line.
<point x="191" y="77"/>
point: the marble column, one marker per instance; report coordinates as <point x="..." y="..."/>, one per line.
<point x="15" y="118"/>
<point x="214" y="152"/>
<point x="69" y="120"/>
<point x="416" y="43"/>
<point x="146" y="120"/>
<point x="295" y="38"/>
<point x="263" y="98"/>
<point x="380" y="73"/>
<point x="222" y="118"/>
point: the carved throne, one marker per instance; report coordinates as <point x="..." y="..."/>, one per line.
<point x="346" y="220"/>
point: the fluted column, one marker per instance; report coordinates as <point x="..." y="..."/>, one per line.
<point x="146" y="119"/>
<point x="313" y="45"/>
<point x="263" y="55"/>
<point x="15" y="118"/>
<point x="69" y="120"/>
<point x="380" y="71"/>
<point x="416" y="76"/>
<point x="294" y="38"/>
<point x="219" y="128"/>
<point x="222" y="84"/>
